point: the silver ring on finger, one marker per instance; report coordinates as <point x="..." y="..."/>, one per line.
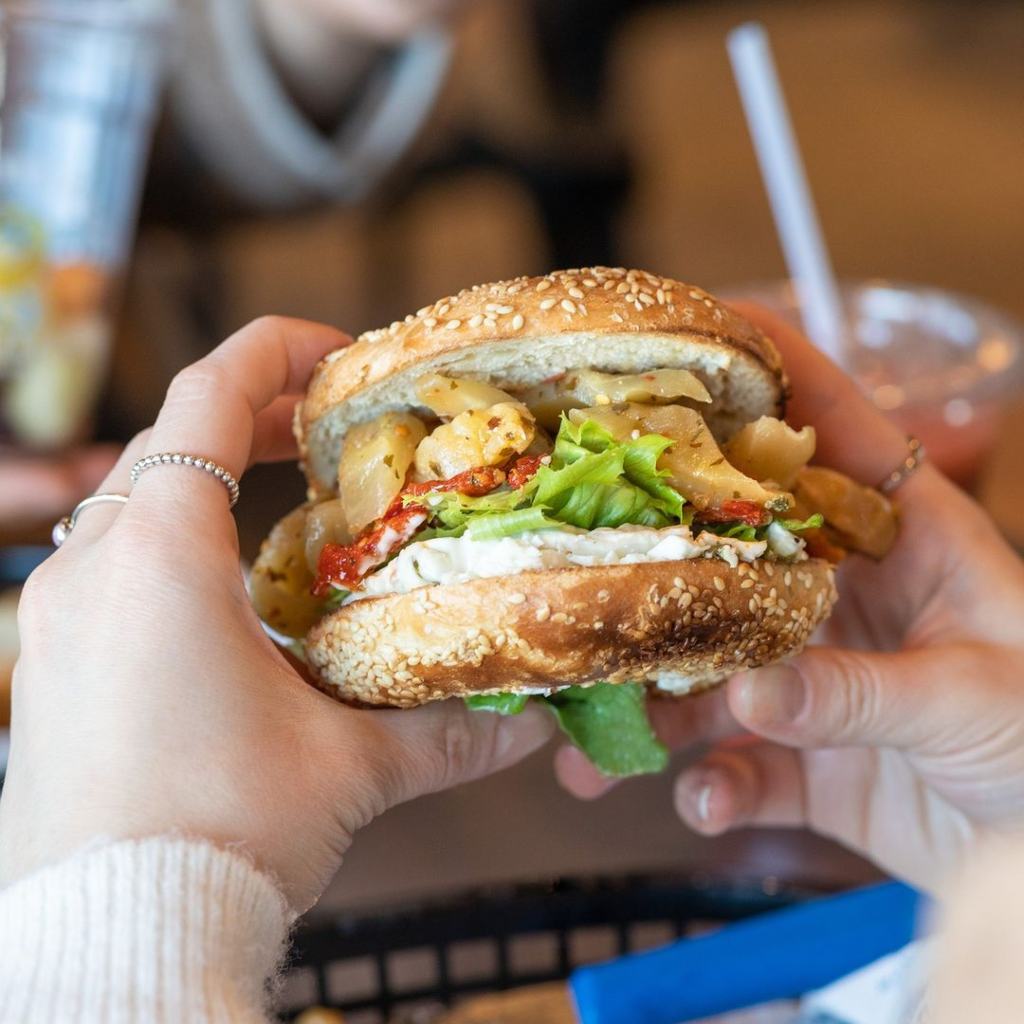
<point x="62" y="530"/>
<point x="195" y="462"/>
<point x="911" y="463"/>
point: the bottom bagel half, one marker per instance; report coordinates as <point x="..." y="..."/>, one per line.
<point x="695" y="622"/>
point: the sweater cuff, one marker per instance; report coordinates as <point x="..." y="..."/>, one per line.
<point x="163" y="929"/>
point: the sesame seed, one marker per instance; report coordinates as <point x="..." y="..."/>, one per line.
<point x="547" y="303"/>
<point x="543" y="612"/>
<point x="719" y="583"/>
<point x="516" y="598"/>
<point x="544" y="285"/>
<point x="568" y="305"/>
<point x="490" y="322"/>
<point x="660" y="295"/>
<point x="476" y="320"/>
<point x="503" y="310"/>
<point x="576" y="293"/>
<point x="517" y="321"/>
<point x="646" y="298"/>
<point x="603" y="596"/>
<point x="430" y="321"/>
<point x="622" y="288"/>
<point x="617" y="317"/>
<point x="599" y="624"/>
<point x="453" y="325"/>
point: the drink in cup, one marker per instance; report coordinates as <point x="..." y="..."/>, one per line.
<point x="79" y="86"/>
<point x="942" y="365"/>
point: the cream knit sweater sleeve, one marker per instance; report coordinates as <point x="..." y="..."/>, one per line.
<point x="162" y="930"/>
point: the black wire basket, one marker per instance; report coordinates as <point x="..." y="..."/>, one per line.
<point x="406" y="963"/>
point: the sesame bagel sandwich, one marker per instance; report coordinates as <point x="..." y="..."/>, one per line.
<point x="576" y="488"/>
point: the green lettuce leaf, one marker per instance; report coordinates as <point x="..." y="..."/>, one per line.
<point x="812" y="522"/>
<point x="500" y="703"/>
<point x="593" y="505"/>
<point x="558" y="480"/>
<point x="335" y="600"/>
<point x="592" y="481"/>
<point x="743" y="532"/>
<point x="508" y="524"/>
<point x="608" y="722"/>
<point x="454" y="511"/>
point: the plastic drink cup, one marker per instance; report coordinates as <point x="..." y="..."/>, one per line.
<point x="79" y="85"/>
<point x="942" y="365"/>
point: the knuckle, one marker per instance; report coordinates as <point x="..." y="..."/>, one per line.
<point x="852" y="708"/>
<point x="196" y="382"/>
<point x="460" y="749"/>
<point x="268" y="323"/>
<point x="36" y="600"/>
<point x="140" y="440"/>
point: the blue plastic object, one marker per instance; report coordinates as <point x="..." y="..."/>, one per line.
<point x="781" y="955"/>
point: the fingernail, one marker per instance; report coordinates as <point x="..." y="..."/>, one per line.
<point x="704" y="803"/>
<point x="694" y="794"/>
<point x="770" y="697"/>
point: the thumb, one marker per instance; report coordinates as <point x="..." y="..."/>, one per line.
<point x="445" y="744"/>
<point x="829" y="697"/>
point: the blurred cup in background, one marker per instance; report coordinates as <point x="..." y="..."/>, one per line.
<point x="942" y="365"/>
<point x="79" y="82"/>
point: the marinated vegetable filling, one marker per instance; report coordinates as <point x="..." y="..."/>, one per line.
<point x="480" y="482"/>
<point x="587" y="451"/>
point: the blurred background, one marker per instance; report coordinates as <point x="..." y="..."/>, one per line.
<point x="350" y="161"/>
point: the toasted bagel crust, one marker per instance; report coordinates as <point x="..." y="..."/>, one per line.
<point x="697" y="618"/>
<point x="517" y="333"/>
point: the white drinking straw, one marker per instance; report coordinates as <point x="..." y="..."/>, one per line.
<point x="786" y="183"/>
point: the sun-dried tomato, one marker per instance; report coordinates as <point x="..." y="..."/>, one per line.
<point x="524" y="469"/>
<point x="474" y="482"/>
<point x="345" y="565"/>
<point x="735" y="510"/>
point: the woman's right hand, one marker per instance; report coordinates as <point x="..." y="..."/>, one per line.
<point x="903" y="738"/>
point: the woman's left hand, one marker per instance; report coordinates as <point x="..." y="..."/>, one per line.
<point x="149" y="700"/>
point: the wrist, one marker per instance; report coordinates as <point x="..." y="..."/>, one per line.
<point x="177" y="929"/>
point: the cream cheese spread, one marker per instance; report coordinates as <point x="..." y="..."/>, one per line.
<point x="446" y="560"/>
